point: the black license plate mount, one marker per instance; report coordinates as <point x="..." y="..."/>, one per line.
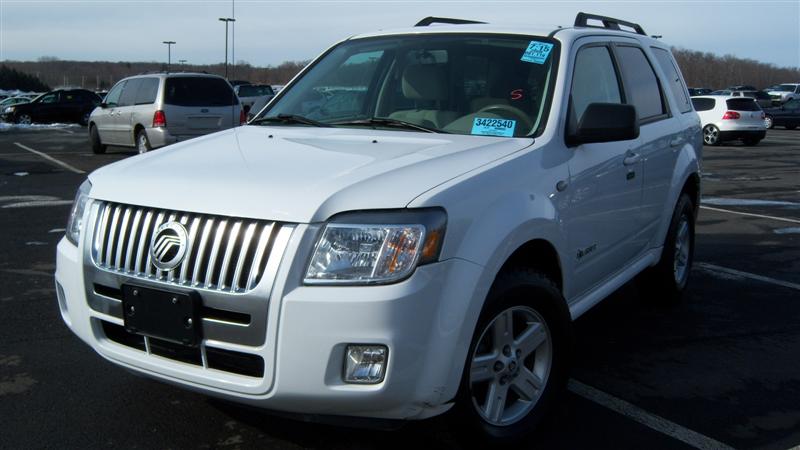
<point x="162" y="314"/>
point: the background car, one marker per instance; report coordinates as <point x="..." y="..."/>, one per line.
<point x="762" y="98"/>
<point x="782" y="93"/>
<point x="254" y="93"/>
<point x="742" y="87"/>
<point x="699" y="91"/>
<point x="727" y="118"/>
<point x="786" y="115"/>
<point x="61" y="105"/>
<point x="150" y="111"/>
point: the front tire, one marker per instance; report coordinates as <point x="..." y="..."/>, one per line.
<point x="667" y="281"/>
<point x="518" y="360"/>
<point x="97" y="146"/>
<point x="142" y="143"/>
<point x="711" y="135"/>
<point x="24" y="119"/>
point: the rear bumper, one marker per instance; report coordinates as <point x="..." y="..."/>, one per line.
<point x="160" y="137"/>
<point x="742" y="134"/>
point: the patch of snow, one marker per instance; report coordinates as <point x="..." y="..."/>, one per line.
<point x="5" y="126"/>
<point x="790" y="230"/>
<point x="719" y="201"/>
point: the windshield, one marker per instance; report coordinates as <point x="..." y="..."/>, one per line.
<point x="495" y="85"/>
<point x="785" y="88"/>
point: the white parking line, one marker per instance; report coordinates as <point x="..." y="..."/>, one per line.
<point x="752" y="276"/>
<point x="782" y="219"/>
<point x="645" y="418"/>
<point x="49" y="158"/>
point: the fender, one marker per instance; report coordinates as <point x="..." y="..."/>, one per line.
<point x="688" y="163"/>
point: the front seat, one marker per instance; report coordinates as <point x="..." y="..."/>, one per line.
<point x="426" y="85"/>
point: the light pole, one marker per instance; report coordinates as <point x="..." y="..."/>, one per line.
<point x="226" y="20"/>
<point x="169" y="52"/>
<point x="182" y="62"/>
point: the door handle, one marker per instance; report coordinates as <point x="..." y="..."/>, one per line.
<point x="631" y="159"/>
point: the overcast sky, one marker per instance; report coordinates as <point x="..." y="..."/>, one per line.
<point x="269" y="32"/>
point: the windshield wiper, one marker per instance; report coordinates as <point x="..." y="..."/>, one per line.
<point x="290" y="118"/>
<point x="387" y="122"/>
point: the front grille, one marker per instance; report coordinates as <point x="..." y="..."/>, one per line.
<point x="222" y="253"/>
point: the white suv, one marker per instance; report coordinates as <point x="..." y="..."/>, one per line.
<point x="410" y="227"/>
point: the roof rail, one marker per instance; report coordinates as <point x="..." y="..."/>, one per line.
<point x="582" y="19"/>
<point x="430" y="20"/>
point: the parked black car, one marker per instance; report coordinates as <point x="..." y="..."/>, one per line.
<point x="61" y="105"/>
<point x="699" y="91"/>
<point x="787" y="115"/>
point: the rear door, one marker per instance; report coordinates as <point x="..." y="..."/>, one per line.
<point x="141" y="113"/>
<point x="751" y="117"/>
<point x="195" y="105"/>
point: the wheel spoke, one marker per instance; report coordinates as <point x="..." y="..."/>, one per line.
<point x="495" y="402"/>
<point x="534" y="336"/>
<point x="482" y="368"/>
<point x="503" y="330"/>
<point x="527" y="385"/>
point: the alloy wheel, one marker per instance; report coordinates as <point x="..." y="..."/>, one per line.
<point x="683" y="243"/>
<point x="710" y="135"/>
<point x="510" y="366"/>
<point x="24" y="119"/>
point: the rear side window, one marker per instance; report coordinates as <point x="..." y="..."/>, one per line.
<point x="146" y="94"/>
<point x="595" y="80"/>
<point x="128" y="96"/>
<point x="673" y="79"/>
<point x="641" y="83"/>
<point x="743" y="104"/>
<point x="703" y="104"/>
<point x="198" y="91"/>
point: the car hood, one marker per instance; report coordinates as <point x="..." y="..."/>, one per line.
<point x="296" y="174"/>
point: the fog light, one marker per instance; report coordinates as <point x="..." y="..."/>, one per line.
<point x="365" y="364"/>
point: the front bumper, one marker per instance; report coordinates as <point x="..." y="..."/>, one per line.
<point x="421" y="320"/>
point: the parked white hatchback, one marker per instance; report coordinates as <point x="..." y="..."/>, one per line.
<point x="727" y="118"/>
<point x="411" y="226"/>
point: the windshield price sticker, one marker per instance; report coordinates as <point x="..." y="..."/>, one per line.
<point x="493" y="127"/>
<point x="537" y="52"/>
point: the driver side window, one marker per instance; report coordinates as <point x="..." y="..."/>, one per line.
<point x="112" y="98"/>
<point x="594" y="80"/>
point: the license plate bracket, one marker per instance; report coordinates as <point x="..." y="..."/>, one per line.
<point x="168" y="315"/>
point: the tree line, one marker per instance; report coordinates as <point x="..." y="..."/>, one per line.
<point x="700" y="69"/>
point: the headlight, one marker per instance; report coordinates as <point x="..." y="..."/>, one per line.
<point x="75" y="222"/>
<point x="9" y="110"/>
<point x="376" y="247"/>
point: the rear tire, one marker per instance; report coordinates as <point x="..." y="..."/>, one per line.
<point x="84" y="120"/>
<point x="711" y="135"/>
<point x="142" y="143"/>
<point x="518" y="360"/>
<point x="97" y="146"/>
<point x="667" y="281"/>
<point x="768" y="122"/>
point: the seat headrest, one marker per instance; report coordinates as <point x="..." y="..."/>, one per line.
<point x="425" y="82"/>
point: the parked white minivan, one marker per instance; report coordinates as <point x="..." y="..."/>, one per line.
<point x="154" y="110"/>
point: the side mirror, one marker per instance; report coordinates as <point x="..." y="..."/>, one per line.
<point x="606" y="122"/>
<point x="104" y="105"/>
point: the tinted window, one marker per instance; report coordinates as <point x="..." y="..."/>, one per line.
<point x="146" y="94"/>
<point x="641" y="83"/>
<point x="703" y="104"/>
<point x="49" y="98"/>
<point x="198" y="91"/>
<point x="251" y="90"/>
<point x="673" y="79"/>
<point x="595" y="80"/>
<point x="112" y="98"/>
<point x="743" y="104"/>
<point x="129" y="93"/>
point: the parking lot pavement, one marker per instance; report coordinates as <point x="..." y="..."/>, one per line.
<point x="719" y="369"/>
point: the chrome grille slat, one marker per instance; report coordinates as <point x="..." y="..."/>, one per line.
<point x="237" y="274"/>
<point x="222" y="253"/>
<point x="212" y="260"/>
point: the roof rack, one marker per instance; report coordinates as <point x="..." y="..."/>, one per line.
<point x="582" y="19"/>
<point x="430" y="20"/>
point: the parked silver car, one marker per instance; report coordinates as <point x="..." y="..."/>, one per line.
<point x="250" y="94"/>
<point x="153" y="110"/>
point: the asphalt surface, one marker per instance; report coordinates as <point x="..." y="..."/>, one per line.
<point x="722" y="367"/>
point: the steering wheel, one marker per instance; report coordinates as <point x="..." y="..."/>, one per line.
<point x="505" y="110"/>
